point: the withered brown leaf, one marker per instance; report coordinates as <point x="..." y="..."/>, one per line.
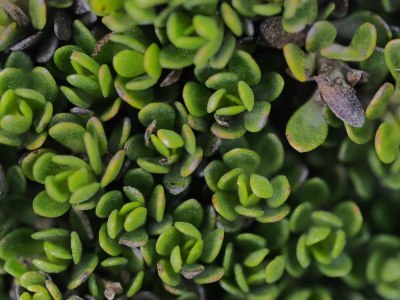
<point x="171" y="78"/>
<point x="62" y="26"/>
<point x="15" y="12"/>
<point x="341" y="98"/>
<point x="27" y="42"/>
<point x="273" y="35"/>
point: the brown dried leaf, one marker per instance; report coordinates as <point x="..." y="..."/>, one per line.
<point x="15" y="12"/>
<point x="88" y="19"/>
<point x="81" y="7"/>
<point x="100" y="43"/>
<point x="27" y="42"/>
<point x="62" y="26"/>
<point x="46" y="50"/>
<point x="171" y="78"/>
<point x="273" y="35"/>
<point x="149" y="130"/>
<point x="341" y="98"/>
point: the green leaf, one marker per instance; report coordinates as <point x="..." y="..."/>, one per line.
<point x="272" y="215"/>
<point x="228" y="181"/>
<point x="109" y="245"/>
<point x="170" y="138"/>
<point x="301" y="217"/>
<point x="113" y="168"/>
<point x="302" y="251"/>
<point x="128" y="63"/>
<point x="188" y="230"/>
<point x="392" y="58"/>
<point x="18" y="243"/>
<point x="195" y="252"/>
<point x="176" y="259"/>
<point x="167" y="274"/>
<point x="49" y="267"/>
<point x="175" y="58"/>
<point x="244" y="65"/>
<point x="281" y="191"/>
<point x="83" y="37"/>
<point x="246" y="95"/>
<point x="245" y="159"/>
<point x="167" y="241"/>
<point x="339" y="267"/>
<point x="196" y="97"/>
<point x="135" y="219"/>
<point x="320" y="35"/>
<point x="189" y="211"/>
<point x="76" y="247"/>
<point x="212" y="245"/>
<point x="325" y="218"/>
<point x="299" y="63"/>
<point x="209" y="275"/>
<point x="231" y="19"/>
<point x="45" y="206"/>
<point x="317" y="234"/>
<point x="224" y="204"/>
<point x="387" y="142"/>
<point x="351" y="217"/>
<point x="240" y="278"/>
<point x="83" y="270"/>
<point x="298" y="14"/>
<point x="379" y="103"/>
<point x="69" y="135"/>
<point x="275" y="269"/>
<point x="157" y="203"/>
<point x="56" y="250"/>
<point x="261" y="186"/>
<point x="255" y="120"/>
<point x="360" y="135"/>
<point x="191" y="162"/>
<point x="134" y="239"/>
<point x="255" y="258"/>
<point x="163" y="113"/>
<point x="136" y="284"/>
<point x="84" y="193"/>
<point x="361" y="46"/>
<point x="307" y="128"/>
<point x="150" y="61"/>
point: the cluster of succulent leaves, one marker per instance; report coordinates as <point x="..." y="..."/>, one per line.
<point x="170" y="149"/>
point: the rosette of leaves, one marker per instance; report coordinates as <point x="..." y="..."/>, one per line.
<point x="241" y="99"/>
<point x="26" y="107"/>
<point x="186" y="47"/>
<point x="95" y="85"/>
<point x="336" y="98"/>
<point x="382" y="266"/>
<point x="187" y="247"/>
<point x="31" y="256"/>
<point x="68" y="179"/>
<point x="250" y="269"/>
<point x="324" y="235"/>
<point x="126" y="221"/>
<point x="162" y="149"/>
<point x="92" y="84"/>
<point x="241" y="192"/>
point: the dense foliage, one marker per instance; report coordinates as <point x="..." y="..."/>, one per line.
<point x="199" y="149"/>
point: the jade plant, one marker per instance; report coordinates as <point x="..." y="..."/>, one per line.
<point x="155" y="149"/>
